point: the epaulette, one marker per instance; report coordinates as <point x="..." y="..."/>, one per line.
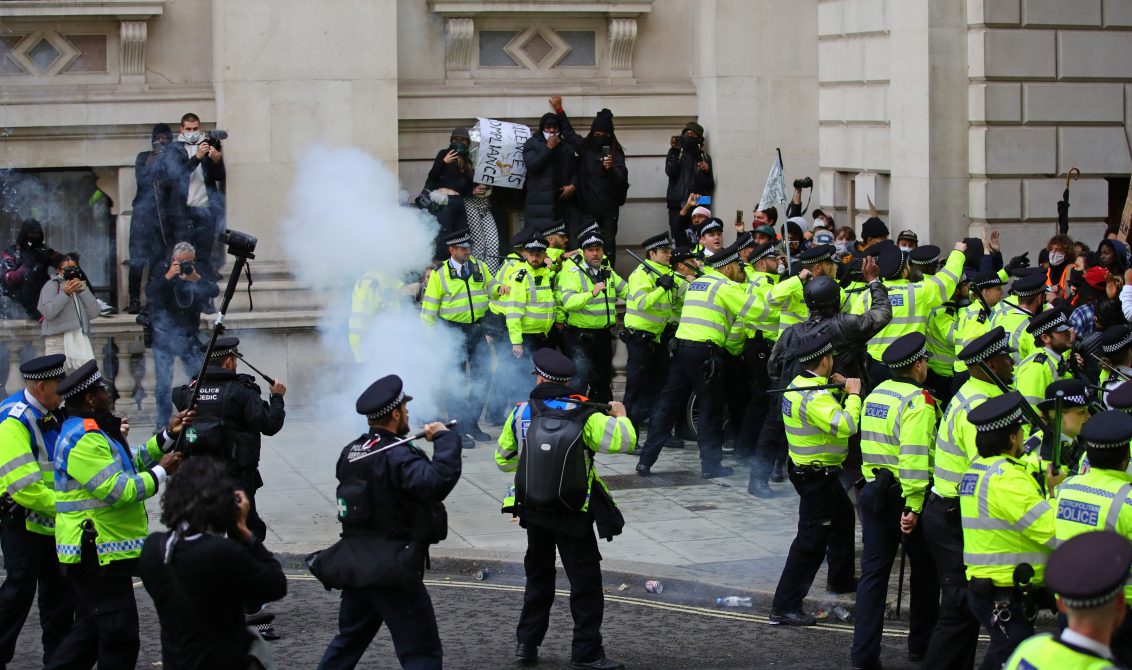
<point x="90" y="425"/>
<point x="1041" y="357"/>
<point x="521" y="275"/>
<point x="18" y="409"/>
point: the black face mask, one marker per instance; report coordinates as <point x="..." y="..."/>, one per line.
<point x="690" y="142"/>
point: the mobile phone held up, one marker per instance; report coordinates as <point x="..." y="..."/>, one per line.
<point x="703" y="200"/>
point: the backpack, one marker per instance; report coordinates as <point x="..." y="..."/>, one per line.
<point x="553" y="473"/>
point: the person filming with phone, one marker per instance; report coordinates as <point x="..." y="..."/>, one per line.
<point x="689" y="171"/>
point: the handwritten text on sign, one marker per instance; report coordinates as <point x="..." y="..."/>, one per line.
<point x="497" y="153"/>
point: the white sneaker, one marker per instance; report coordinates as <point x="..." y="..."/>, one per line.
<point x="104" y="308"/>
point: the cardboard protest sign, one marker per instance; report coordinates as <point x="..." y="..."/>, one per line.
<point x="497" y="153"/>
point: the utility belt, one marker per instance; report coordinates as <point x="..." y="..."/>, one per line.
<point x="711" y="363"/>
<point x="588" y="333"/>
<point x="629" y="335"/>
<point x="888" y="488"/>
<point x="1027" y="599"/>
<point x="10" y="509"/>
<point x="815" y="471"/>
<point x="951" y="510"/>
<point x="689" y="344"/>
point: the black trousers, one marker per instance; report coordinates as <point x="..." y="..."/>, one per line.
<point x="754" y="413"/>
<point x="736" y="393"/>
<point x="645" y="372"/>
<point x="771" y="444"/>
<point x="882" y="538"/>
<point x="582" y="562"/>
<point x="30" y="564"/>
<point x="957" y="631"/>
<point x="1005" y="636"/>
<point x="466" y="400"/>
<point x="592" y="351"/>
<point x="825" y="531"/>
<point x="407" y="613"/>
<point x="696" y="366"/>
<point x="106" y="623"/>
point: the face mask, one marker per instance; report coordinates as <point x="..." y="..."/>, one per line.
<point x="690" y="142"/>
<point x="841" y="246"/>
<point x="905" y="249"/>
<point x="781" y="268"/>
<point x="193" y="137"/>
<point x="1056" y="257"/>
<point x="547" y="135"/>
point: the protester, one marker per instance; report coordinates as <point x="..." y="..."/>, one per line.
<point x="67" y="305"/>
<point x="550" y="174"/>
<point x="24" y="267"/>
<point x="448" y="183"/>
<point x="689" y="170"/>
<point x="150" y="227"/>
<point x="1062" y="253"/>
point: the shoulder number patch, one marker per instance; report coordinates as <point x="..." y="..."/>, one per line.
<point x="967" y="486"/>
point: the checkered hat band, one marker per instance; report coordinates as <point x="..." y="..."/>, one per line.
<point x="91" y="381"/>
<point x="560" y="229"/>
<point x="1025" y="293"/>
<point x="221" y="353"/>
<point x="814" y="355"/>
<point x="1089" y="603"/>
<point x="1117" y="346"/>
<point x="710" y="226"/>
<point x="817" y="259"/>
<point x="591" y="240"/>
<point x="719" y="261"/>
<point x="1058" y="321"/>
<point x="981" y="356"/>
<point x="592" y="228"/>
<point x="49" y="373"/>
<point x="1079" y="399"/>
<point x="659" y="244"/>
<point x="535" y="245"/>
<point x="766" y="254"/>
<point x="463" y="239"/>
<point x="989" y="283"/>
<point x="1108" y="445"/>
<point x="910" y="360"/>
<point x="553" y="378"/>
<point x="924" y="261"/>
<point x="389" y="407"/>
<point x="1005" y="422"/>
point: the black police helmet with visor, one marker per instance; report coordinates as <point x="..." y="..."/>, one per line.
<point x="822" y="295"/>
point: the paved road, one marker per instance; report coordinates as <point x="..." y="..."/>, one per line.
<point x="476" y="620"/>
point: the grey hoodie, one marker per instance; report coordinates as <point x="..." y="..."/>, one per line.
<point x="63" y="313"/>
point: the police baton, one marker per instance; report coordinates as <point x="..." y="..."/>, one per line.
<point x="1028" y="410"/>
<point x="822" y="387"/>
<point x="648" y="267"/>
<point x="900" y="580"/>
<point x="267" y="379"/>
<point x="1112" y="369"/>
<point x="415" y="436"/>
<point x="1055" y="434"/>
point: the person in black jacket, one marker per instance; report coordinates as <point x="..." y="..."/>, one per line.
<point x="230" y="418"/>
<point x="451" y="176"/>
<point x="550" y="174"/>
<point x="394" y="491"/>
<point x="201" y="572"/>
<point x="600" y="175"/>
<point x="148" y="223"/>
<point x="689" y="171"/>
<point x="24" y="267"/>
<point x="194" y="165"/>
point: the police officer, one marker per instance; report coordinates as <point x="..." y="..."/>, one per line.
<point x="457" y="293"/>
<point x="760" y="321"/>
<point x="499" y="397"/>
<point x="1008" y="529"/>
<point x="787" y="296"/>
<point x="1088" y="574"/>
<point x="530" y="304"/>
<point x="1050" y="338"/>
<point x="957" y="631"/>
<point x="711" y="304"/>
<point x="943" y="329"/>
<point x="588" y="292"/>
<point x="818" y="427"/>
<point x="558" y="504"/>
<point x="231" y="416"/>
<point x="709" y="236"/>
<point x="648" y="311"/>
<point x="392" y="489"/>
<point x="1027" y="298"/>
<point x="975" y="320"/>
<point x="1075" y="406"/>
<point x="898" y="426"/>
<point x="375" y="292"/>
<point x="1116" y="347"/>
<point x="28" y="431"/>
<point x="923" y="261"/>
<point x="101" y="485"/>
<point x="556" y="240"/>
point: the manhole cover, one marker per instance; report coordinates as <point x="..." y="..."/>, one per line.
<point x="658" y="480"/>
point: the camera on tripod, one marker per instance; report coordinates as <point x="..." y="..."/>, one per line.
<point x="239" y="244"/>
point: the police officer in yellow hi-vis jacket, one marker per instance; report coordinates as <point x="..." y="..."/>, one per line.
<point x="818" y="427"/>
<point x="1088" y="574"/>
<point x="649" y="309"/>
<point x="898" y="426"/>
<point x="1008" y="529"/>
<point x="457" y="294"/>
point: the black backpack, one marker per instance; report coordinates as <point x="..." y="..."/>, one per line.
<point x="553" y="472"/>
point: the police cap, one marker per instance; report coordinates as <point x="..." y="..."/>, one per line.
<point x="725" y="256"/>
<point x="999" y="412"/>
<point x="745" y="240"/>
<point x="1073" y="392"/>
<point x="891" y="262"/>
<point x="553" y="365"/>
<point x="535" y="242"/>
<point x="1116" y="338"/>
<point x="762" y="251"/>
<point x="78" y="382"/>
<point x="458" y="238"/>
<point x="985" y="280"/>
<point x="1051" y="320"/>
<point x="906" y="350"/>
<point x="592" y="239"/>
<point x="924" y="255"/>
<point x="225" y="346"/>
<point x="1090" y="569"/>
<point x="991" y="343"/>
<point x="520" y="237"/>
<point x="382" y="397"/>
<point x="1120" y="397"/>
<point x="878" y="248"/>
<point x="592" y="228"/>
<point x="660" y="241"/>
<point x="44" y="367"/>
<point x="684" y="253"/>
<point x="557" y="228"/>
<point x="813" y="348"/>
<point x="1028" y="285"/>
<point x="1110" y="429"/>
<point x="711" y="225"/>
<point x="818" y="254"/>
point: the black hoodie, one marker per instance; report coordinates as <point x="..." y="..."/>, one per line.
<point x="547" y="171"/>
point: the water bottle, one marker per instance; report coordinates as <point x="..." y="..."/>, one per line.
<point x="733" y="601"/>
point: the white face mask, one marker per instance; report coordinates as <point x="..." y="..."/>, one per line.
<point x="905" y="248"/>
<point x="1056" y="257"/>
<point x="192" y="137"/>
<point x="547" y="135"/>
<point x="781" y="269"/>
<point x="842" y="246"/>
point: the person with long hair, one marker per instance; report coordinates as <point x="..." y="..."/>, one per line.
<point x="202" y="571"/>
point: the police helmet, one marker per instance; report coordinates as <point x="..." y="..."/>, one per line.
<point x="822" y="295"/>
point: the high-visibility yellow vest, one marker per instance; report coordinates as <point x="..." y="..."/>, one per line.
<point x="898" y="427"/>
<point x="574" y="293"/>
<point x="27" y="461"/>
<point x="760" y="316"/>
<point x="817" y="425"/>
<point x="1014" y="320"/>
<point x="454" y="299"/>
<point x="373" y="293"/>
<point x="788" y="299"/>
<point x="972" y="323"/>
<point x="943" y="328"/>
<point x="530" y="305"/>
<point x="648" y="307"/>
<point x="1037" y="371"/>
<point x="1096" y="500"/>
<point x="512" y="263"/>
<point x="711" y="304"/>
<point x="1006" y="520"/>
<point x="955" y="442"/>
<point x="1045" y="652"/>
<point x="912" y="303"/>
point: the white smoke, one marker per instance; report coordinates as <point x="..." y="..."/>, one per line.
<point x="345" y="220"/>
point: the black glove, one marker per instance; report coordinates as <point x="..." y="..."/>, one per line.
<point x="1018" y="262"/>
<point x="665" y="282"/>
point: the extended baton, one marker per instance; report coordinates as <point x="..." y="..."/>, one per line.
<point x="1111" y="368"/>
<point x="1058" y="404"/>
<point x="648" y="267"/>
<point x="1028" y="410"/>
<point x="416" y="436"/>
<point x="267" y="379"/>
<point x="822" y="387"/>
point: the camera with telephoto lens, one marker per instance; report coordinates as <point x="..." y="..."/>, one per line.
<point x="239" y="244"/>
<point x="72" y="272"/>
<point x="213" y="138"/>
<point x="804" y="182"/>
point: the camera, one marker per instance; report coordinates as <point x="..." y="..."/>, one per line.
<point x="804" y="182"/>
<point x="72" y="272"/>
<point x="213" y="138"/>
<point x="239" y="244"/>
<point x="605" y="151"/>
<point x="188" y="268"/>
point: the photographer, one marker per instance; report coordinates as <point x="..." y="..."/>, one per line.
<point x="67" y="306"/>
<point x="24" y="267"/>
<point x="176" y="299"/>
<point x="202" y="572"/>
<point x="689" y="171"/>
<point x="448" y="183"/>
<point x="195" y="169"/>
<point x="149" y="221"/>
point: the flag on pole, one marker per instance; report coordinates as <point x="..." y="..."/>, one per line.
<point x="1126" y="216"/>
<point x="774" y="193"/>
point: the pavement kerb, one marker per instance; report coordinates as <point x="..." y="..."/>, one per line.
<point x="681" y="586"/>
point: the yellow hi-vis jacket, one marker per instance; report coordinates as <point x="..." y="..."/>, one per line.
<point x="373" y="293"/>
<point x="955" y="441"/>
<point x="1097" y="500"/>
<point x="573" y="290"/>
<point x="912" y="303"/>
<point x="650" y="308"/>
<point x="456" y="299"/>
<point x="817" y="425"/>
<point x="530" y="305"/>
<point x="711" y="305"/>
<point x="898" y="427"/>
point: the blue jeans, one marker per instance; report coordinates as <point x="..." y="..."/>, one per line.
<point x="167" y="348"/>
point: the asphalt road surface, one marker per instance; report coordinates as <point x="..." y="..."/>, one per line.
<point x="477" y="627"/>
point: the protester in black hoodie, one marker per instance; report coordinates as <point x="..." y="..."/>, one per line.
<point x="689" y="171"/>
<point x="150" y="225"/>
<point x="24" y="267"/>
<point x="550" y="171"/>
<point x="600" y="174"/>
